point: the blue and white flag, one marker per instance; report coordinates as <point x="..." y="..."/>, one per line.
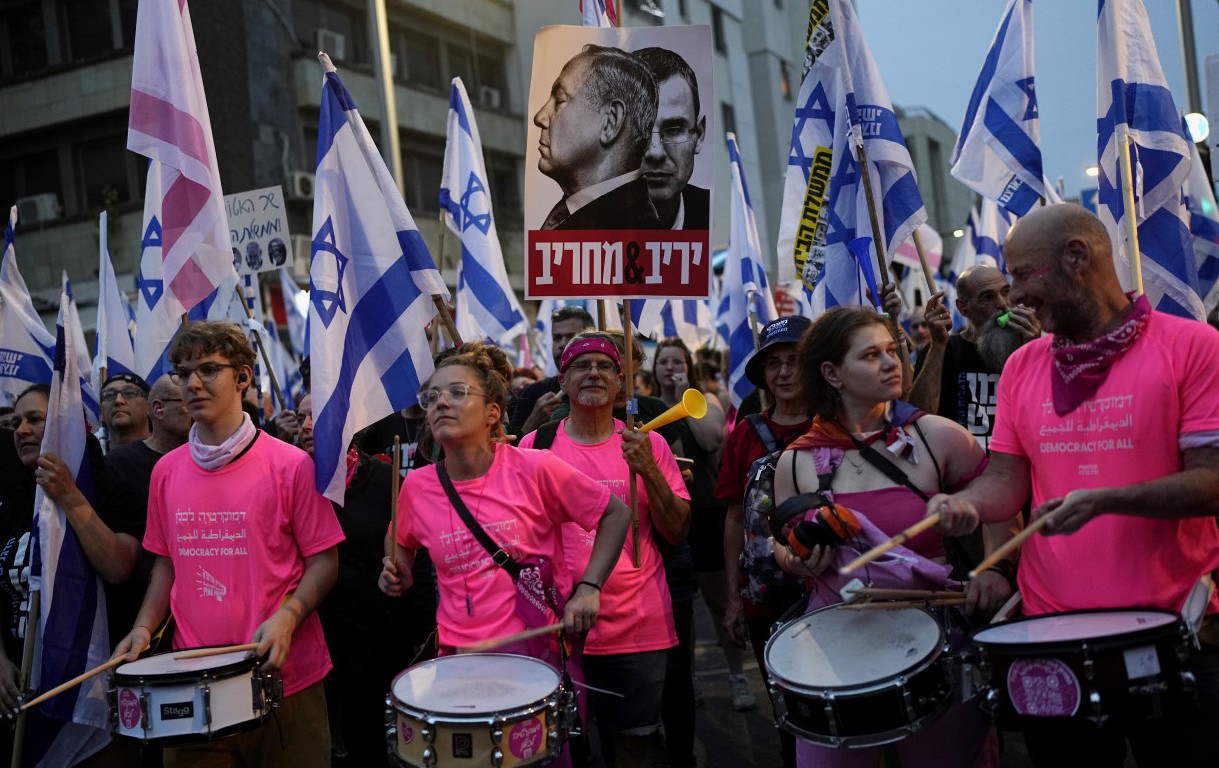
<point x="71" y="636"/>
<point x="997" y="154"/>
<point x="371" y="281"/>
<point x="285" y="364"/>
<point x="27" y="349"/>
<point x="1132" y="95"/>
<point x="688" y="319"/>
<point x="598" y="13"/>
<point x="1204" y="228"/>
<point x="486" y="304"/>
<point x="114" y="351"/>
<point x="842" y="103"/>
<point x="745" y="299"/>
<point x="298" y="323"/>
<point x="158" y="313"/>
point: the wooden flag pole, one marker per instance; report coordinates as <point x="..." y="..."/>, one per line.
<point x="928" y="275"/>
<point x="391" y="546"/>
<point x="27" y="663"/>
<point x="877" y="235"/>
<point x="1122" y="137"/>
<point x="628" y="374"/>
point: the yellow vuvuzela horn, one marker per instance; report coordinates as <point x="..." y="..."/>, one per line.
<point x="692" y="404"/>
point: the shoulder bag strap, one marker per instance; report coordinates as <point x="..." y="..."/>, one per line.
<point x="891" y="470"/>
<point x="498" y="555"/>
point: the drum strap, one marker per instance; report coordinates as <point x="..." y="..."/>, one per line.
<point x="498" y="555"/>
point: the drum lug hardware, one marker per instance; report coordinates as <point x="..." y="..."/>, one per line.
<point x="144" y="723"/>
<point x="497" y="757"/>
<point x="427" y="733"/>
<point x="779" y="703"/>
<point x="274" y="685"/>
<point x="907" y="698"/>
<point x="831" y="715"/>
<point x="552" y="741"/>
<point x="1089" y="665"/>
<point x="497" y="734"/>
<point x="1097" y="717"/>
<point x="429" y="756"/>
<point x="1189" y="683"/>
<point x="207" y="707"/>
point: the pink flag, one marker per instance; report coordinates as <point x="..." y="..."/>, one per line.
<point x="169" y="123"/>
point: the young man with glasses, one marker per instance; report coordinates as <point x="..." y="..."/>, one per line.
<point x="626" y="651"/>
<point x="246" y="549"/>
<point x="677" y="136"/>
<point x="124" y="409"/>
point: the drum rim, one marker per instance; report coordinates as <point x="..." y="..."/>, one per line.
<point x="224" y="671"/>
<point x="848" y="691"/>
<point x="526" y="710"/>
<point x="1167" y="629"/>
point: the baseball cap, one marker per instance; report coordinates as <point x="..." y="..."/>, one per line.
<point x="130" y="378"/>
<point x="785" y="330"/>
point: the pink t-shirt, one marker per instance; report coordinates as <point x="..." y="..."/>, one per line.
<point x="238" y="538"/>
<point x="636" y="611"/>
<point x="1164" y="386"/>
<point x="893" y="510"/>
<point x="520" y="502"/>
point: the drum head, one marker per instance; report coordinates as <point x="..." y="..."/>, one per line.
<point x="475" y="684"/>
<point x="1073" y="627"/>
<point x="840" y="647"/>
<point x="165" y="665"/>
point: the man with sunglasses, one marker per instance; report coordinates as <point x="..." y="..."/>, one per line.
<point x="245" y="551"/>
<point x="677" y="136"/>
<point x="124" y="409"/>
<point x="626" y="651"/>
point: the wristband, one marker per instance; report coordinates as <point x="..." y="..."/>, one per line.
<point x="1006" y="569"/>
<point x="594" y="585"/>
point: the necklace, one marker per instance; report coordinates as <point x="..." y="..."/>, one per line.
<point x="858" y="468"/>
<point x="471" y="541"/>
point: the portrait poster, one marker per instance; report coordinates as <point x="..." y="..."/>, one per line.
<point x="618" y="187"/>
<point x="258" y="229"/>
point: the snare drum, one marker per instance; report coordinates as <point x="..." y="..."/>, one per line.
<point x="858" y="678"/>
<point x="1110" y="668"/>
<point x="478" y="709"/>
<point x="161" y="700"/>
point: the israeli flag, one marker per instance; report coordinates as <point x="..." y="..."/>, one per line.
<point x="72" y="610"/>
<point x="371" y="281"/>
<point x="1204" y="227"/>
<point x="997" y="154"/>
<point x="27" y="349"/>
<point x="1132" y="96"/>
<point x="745" y="299"/>
<point x="842" y="104"/>
<point x="486" y="305"/>
<point x="114" y="351"/>
<point x="297" y="322"/>
<point x="687" y="319"/>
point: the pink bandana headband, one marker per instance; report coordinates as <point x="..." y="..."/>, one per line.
<point x="584" y="346"/>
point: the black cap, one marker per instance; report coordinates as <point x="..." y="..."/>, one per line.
<point x="785" y="330"/>
<point x="130" y="378"/>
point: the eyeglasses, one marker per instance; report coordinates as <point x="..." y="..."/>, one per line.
<point x="675" y="134"/>
<point x="455" y="393"/>
<point x="600" y="366"/>
<point x="128" y="393"/>
<point x="777" y="364"/>
<point x="207" y="373"/>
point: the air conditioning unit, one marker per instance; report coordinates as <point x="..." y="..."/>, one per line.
<point x="39" y="208"/>
<point x="300" y="186"/>
<point x="333" y="43"/>
<point x="302" y="251"/>
<point x="490" y="97"/>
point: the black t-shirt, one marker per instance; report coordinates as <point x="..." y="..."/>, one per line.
<point x="968" y="393"/>
<point x="522" y="405"/>
<point x="116" y="505"/>
<point x="378" y="438"/>
<point x="367" y="631"/>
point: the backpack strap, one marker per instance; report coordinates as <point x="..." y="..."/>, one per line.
<point x="764" y="432"/>
<point x="543" y="436"/>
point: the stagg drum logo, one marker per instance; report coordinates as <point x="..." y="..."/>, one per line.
<point x="183" y="711"/>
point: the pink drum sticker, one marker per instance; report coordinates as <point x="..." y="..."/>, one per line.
<point x="1043" y="688"/>
<point x="407" y="732"/>
<point x="129" y="708"/>
<point x="526" y="738"/>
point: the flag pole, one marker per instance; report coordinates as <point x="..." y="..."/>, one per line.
<point x="601" y="314"/>
<point x="928" y="275"/>
<point x="1121" y="129"/>
<point x="628" y="375"/>
<point x="262" y="348"/>
<point x="27" y="663"/>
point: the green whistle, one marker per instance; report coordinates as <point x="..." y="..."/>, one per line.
<point x="1002" y="319"/>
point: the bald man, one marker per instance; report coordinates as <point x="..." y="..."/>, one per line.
<point x="959" y="372"/>
<point x="1111" y="425"/>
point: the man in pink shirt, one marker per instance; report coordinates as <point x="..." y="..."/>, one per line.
<point x="245" y="550"/>
<point x="626" y="651"/>
<point x="1111" y="422"/>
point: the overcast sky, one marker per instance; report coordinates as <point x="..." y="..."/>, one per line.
<point x="930" y="52"/>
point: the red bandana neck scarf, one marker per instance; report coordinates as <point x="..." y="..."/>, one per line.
<point x="830" y="434"/>
<point x="1080" y="369"/>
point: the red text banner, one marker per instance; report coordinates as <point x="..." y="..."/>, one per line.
<point x="623" y="263"/>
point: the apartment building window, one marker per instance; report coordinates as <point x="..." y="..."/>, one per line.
<point x="105" y="173"/>
<point x="29" y="174"/>
<point x="422" y="56"/>
<point x="717" y="30"/>
<point x="434" y="55"/>
<point x="87" y="35"/>
<point x="504" y="184"/>
<point x="341" y="26"/>
<point x="728" y="117"/>
<point x="76" y="31"/>
<point x="422" y="169"/>
<point x="24" y="32"/>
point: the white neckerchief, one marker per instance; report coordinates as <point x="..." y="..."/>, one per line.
<point x="213" y="457"/>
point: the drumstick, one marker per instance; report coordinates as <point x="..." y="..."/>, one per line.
<point x="937" y="602"/>
<point x="74" y="682"/>
<point x="900" y="538"/>
<point x="392" y="545"/>
<point x="496" y="642"/>
<point x="199" y="653"/>
<point x="1010" y="546"/>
